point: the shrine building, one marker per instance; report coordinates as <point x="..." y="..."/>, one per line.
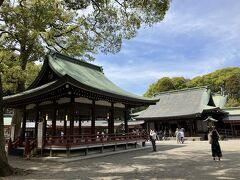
<point x="68" y="92"/>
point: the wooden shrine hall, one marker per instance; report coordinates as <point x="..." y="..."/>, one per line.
<point x="66" y="92"/>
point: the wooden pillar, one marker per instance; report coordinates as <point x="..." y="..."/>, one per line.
<point x="79" y="126"/>
<point x="44" y="126"/>
<point x="111" y="119"/>
<point x="65" y="123"/>
<point x="72" y="107"/>
<point x="22" y="137"/>
<point x="93" y="111"/>
<point x="36" y="121"/>
<point x="126" y="115"/>
<point x="54" y="119"/>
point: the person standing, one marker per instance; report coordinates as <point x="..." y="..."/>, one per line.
<point x="215" y="146"/>
<point x="153" y="138"/>
<point x="164" y="134"/>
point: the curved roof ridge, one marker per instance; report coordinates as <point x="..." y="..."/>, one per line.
<point x="77" y="61"/>
<point x="181" y="90"/>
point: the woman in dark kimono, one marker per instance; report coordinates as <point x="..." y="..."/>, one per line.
<point x="216" y="150"/>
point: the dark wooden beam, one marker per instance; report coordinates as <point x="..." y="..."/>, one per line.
<point x="55" y="109"/>
<point x="79" y="126"/>
<point x="22" y="137"/>
<point x="126" y="115"/>
<point x="65" y="123"/>
<point x="36" y="120"/>
<point x="111" y="119"/>
<point x="93" y="112"/>
<point x="71" y="118"/>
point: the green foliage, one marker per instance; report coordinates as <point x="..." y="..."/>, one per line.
<point x="232" y="102"/>
<point x="79" y="28"/>
<point x="163" y="84"/>
<point x="227" y="79"/>
<point x="232" y="86"/>
<point x="12" y="73"/>
<point x="179" y="82"/>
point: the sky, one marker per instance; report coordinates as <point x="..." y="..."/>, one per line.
<point x="195" y="38"/>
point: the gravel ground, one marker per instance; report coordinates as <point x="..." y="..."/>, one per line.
<point x="191" y="160"/>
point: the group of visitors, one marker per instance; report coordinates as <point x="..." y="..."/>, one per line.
<point x="163" y="135"/>
<point x="213" y="138"/>
<point x="179" y="134"/>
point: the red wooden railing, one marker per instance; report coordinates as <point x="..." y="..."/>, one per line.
<point x="76" y="140"/>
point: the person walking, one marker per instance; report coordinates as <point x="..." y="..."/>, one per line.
<point x="215" y="146"/>
<point x="153" y="138"/>
<point x="181" y="134"/>
<point x="177" y="135"/>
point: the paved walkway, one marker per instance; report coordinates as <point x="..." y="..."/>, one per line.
<point x="191" y="160"/>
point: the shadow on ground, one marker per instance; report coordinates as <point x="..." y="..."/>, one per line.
<point x="170" y="161"/>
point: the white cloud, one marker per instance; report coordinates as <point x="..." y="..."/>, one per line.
<point x="195" y="38"/>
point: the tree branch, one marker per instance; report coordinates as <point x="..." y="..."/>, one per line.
<point x="1" y="2"/>
<point x="61" y="34"/>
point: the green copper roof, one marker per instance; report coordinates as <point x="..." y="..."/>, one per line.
<point x="219" y="100"/>
<point x="80" y="74"/>
<point x="89" y="75"/>
<point x="187" y="102"/>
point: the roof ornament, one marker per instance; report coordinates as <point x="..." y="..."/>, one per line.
<point x="209" y="118"/>
<point x="210" y="121"/>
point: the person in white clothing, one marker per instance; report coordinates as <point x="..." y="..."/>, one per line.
<point x="178" y="136"/>
<point x="181" y="132"/>
<point x="153" y="138"/>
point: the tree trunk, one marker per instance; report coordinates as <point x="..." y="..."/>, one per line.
<point x="1" y="2"/>
<point x="5" y="168"/>
<point x="17" y="117"/>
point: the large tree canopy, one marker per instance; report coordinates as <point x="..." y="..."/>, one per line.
<point x="227" y="79"/>
<point x="31" y="28"/>
<point x="11" y="72"/>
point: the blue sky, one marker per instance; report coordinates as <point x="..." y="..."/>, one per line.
<point x="195" y="38"/>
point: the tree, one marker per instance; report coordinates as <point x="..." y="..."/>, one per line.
<point x="163" y="84"/>
<point x="32" y="28"/>
<point x="179" y="82"/>
<point x="232" y="102"/>
<point x="5" y="169"/>
<point x="227" y="79"/>
<point x="1" y="2"/>
<point x="13" y="73"/>
<point x="151" y="91"/>
<point x="232" y="86"/>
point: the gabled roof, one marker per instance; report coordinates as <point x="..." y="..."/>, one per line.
<point x="186" y="102"/>
<point x="80" y="74"/>
<point x="233" y="115"/>
<point x="90" y="75"/>
<point x="232" y="111"/>
<point x="219" y="100"/>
